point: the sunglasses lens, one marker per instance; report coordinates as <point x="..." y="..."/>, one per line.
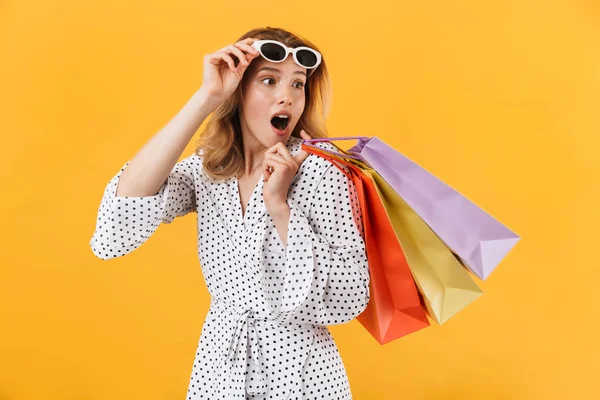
<point x="307" y="58"/>
<point x="273" y="51"/>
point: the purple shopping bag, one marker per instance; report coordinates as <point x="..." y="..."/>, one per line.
<point x="475" y="237"/>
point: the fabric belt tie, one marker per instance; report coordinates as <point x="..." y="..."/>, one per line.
<point x="243" y="360"/>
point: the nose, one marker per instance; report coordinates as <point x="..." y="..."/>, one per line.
<point x="284" y="95"/>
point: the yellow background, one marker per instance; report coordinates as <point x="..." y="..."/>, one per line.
<point x="499" y="99"/>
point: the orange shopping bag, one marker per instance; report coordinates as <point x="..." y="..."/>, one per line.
<point x="395" y="308"/>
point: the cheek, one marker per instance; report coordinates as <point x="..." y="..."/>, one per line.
<point x="259" y="101"/>
<point x="258" y="90"/>
<point x="299" y="106"/>
<point x="255" y="104"/>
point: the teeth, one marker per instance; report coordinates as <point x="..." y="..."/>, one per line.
<point x="282" y="116"/>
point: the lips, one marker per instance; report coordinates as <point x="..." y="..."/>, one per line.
<point x="282" y="112"/>
<point x="281" y="122"/>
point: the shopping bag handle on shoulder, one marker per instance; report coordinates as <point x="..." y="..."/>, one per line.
<point x="324" y="154"/>
<point x="328" y="139"/>
<point x="308" y="142"/>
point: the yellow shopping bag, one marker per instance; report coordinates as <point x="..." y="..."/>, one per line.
<point x="443" y="282"/>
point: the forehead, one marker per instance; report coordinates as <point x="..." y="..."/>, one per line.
<point x="287" y="67"/>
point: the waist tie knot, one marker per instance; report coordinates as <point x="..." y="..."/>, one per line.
<point x="243" y="359"/>
<point x="241" y="368"/>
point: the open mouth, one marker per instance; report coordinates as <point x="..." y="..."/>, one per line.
<point x="280" y="122"/>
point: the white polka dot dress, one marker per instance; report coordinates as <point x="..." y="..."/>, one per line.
<point x="265" y="335"/>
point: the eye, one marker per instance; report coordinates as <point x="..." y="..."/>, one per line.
<point x="264" y="79"/>
<point x="301" y="84"/>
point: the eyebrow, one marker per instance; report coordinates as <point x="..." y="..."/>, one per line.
<point x="277" y="70"/>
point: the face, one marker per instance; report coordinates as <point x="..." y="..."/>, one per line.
<point x="269" y="89"/>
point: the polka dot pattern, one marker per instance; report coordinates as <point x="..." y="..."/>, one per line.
<point x="125" y="222"/>
<point x="265" y="335"/>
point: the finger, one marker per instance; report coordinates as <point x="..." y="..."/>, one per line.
<point x="276" y="158"/>
<point x="280" y="150"/>
<point x="276" y="163"/>
<point x="247" y="41"/>
<point x="231" y="52"/>
<point x="248" y="48"/>
<point x="230" y="47"/>
<point x="249" y="58"/>
<point x="270" y="165"/>
<point x="238" y="53"/>
<point x="249" y="53"/>
<point x="217" y="57"/>
<point x="229" y="61"/>
<point x="266" y="169"/>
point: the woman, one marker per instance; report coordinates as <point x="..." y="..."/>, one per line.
<point x="279" y="231"/>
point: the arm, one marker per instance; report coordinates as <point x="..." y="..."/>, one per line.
<point x="327" y="276"/>
<point x="149" y="168"/>
<point x="125" y="222"/>
<point x="141" y="196"/>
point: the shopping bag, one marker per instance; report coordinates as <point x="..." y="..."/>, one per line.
<point x="395" y="308"/>
<point x="445" y="285"/>
<point x="478" y="240"/>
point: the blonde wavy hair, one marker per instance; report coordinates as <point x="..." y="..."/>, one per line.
<point x="221" y="139"/>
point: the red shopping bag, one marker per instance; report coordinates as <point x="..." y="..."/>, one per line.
<point x="395" y="308"/>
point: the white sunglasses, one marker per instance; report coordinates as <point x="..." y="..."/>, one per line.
<point x="277" y="52"/>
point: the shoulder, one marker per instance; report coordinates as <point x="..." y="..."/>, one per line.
<point x="193" y="164"/>
<point x="318" y="178"/>
<point x="314" y="165"/>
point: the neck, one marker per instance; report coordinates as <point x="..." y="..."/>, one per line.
<point x="254" y="154"/>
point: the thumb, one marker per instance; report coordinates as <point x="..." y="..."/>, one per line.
<point x="304" y="134"/>
<point x="302" y="154"/>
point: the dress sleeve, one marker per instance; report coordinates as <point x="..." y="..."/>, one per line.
<point x="125" y="222"/>
<point x="326" y="269"/>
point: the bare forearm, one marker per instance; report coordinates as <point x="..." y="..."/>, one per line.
<point x="149" y="168"/>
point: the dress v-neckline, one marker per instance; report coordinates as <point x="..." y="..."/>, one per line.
<point x="241" y="213"/>
<point x="253" y="202"/>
